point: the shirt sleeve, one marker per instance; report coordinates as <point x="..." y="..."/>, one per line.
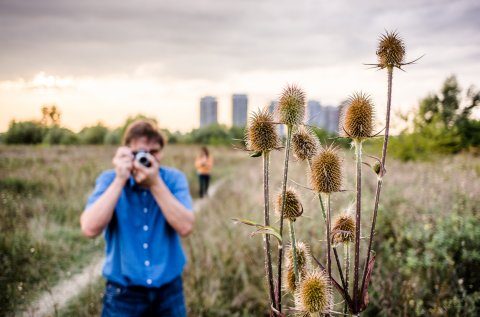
<point x="182" y="192"/>
<point x="101" y="184"/>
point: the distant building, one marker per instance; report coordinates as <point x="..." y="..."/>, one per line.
<point x="208" y="111"/>
<point x="271" y="109"/>
<point x="325" y="117"/>
<point x="239" y="110"/>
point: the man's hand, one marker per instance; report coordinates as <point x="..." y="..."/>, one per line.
<point x="123" y="162"/>
<point x="147" y="176"/>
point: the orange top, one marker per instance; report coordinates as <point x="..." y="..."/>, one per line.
<point x="204" y="164"/>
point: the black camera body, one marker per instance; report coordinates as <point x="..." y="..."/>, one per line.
<point x="141" y="157"/>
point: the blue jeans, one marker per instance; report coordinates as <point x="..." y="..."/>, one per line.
<point x="123" y="301"/>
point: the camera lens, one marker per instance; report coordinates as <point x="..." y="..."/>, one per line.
<point x="141" y="157"/>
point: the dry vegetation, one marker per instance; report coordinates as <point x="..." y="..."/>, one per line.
<point x="427" y="244"/>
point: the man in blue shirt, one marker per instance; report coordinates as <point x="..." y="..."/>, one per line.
<point x="143" y="210"/>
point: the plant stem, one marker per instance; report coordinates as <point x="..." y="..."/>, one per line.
<point x="346" y="259"/>
<point x="284" y="189"/>
<point x="266" y="237"/>
<point x="356" y="268"/>
<point x="294" y="251"/>
<point x="380" y="177"/>
<point x="329" y="240"/>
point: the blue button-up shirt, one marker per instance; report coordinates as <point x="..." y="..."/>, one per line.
<point x="141" y="247"/>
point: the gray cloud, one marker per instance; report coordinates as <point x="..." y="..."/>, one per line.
<point x="213" y="38"/>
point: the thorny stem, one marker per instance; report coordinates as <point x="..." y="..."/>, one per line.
<point x="329" y="241"/>
<point x="356" y="268"/>
<point x="380" y="178"/>
<point x="266" y="237"/>
<point x="284" y="189"/>
<point x="294" y="251"/>
<point x="346" y="258"/>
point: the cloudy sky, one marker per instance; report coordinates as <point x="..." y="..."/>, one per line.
<point x="104" y="60"/>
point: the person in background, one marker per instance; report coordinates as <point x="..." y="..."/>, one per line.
<point x="143" y="209"/>
<point x="204" y="164"/>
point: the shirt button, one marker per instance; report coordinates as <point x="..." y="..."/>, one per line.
<point x="147" y="263"/>
<point x="145" y="228"/>
<point x="145" y="210"/>
<point x="145" y="245"/>
<point x="149" y="281"/>
<point x="144" y="193"/>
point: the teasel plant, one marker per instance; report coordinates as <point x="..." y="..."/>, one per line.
<point x="291" y="112"/>
<point x="261" y="138"/>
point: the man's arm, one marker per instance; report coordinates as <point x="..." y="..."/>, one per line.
<point x="97" y="216"/>
<point x="180" y="218"/>
<point x="177" y="215"/>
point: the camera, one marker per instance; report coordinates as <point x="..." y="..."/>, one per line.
<point x="141" y="157"/>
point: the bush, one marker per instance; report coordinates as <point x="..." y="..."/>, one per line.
<point x="93" y="135"/>
<point x="113" y="137"/>
<point x="58" y="135"/>
<point x="26" y="132"/>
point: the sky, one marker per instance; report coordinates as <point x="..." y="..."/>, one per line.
<point x="101" y="61"/>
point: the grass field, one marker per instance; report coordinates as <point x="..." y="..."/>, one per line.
<point x="428" y="232"/>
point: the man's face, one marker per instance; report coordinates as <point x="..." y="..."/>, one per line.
<point x="150" y="146"/>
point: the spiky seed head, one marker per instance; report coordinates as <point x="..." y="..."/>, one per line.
<point x="326" y="172"/>
<point x="293" y="206"/>
<point x="343" y="230"/>
<point x="358" y="117"/>
<point x="390" y="51"/>
<point x="261" y="133"/>
<point x="303" y="256"/>
<point x="291" y="106"/>
<point x="289" y="282"/>
<point x="376" y="168"/>
<point x="305" y="143"/>
<point x="314" y="294"/>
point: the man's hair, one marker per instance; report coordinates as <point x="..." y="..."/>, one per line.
<point x="143" y="128"/>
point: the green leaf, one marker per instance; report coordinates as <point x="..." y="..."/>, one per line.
<point x="256" y="154"/>
<point x="268" y="230"/>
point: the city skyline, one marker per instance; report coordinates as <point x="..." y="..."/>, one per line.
<point x="105" y="62"/>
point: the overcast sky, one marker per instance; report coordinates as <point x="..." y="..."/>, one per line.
<point x="103" y="60"/>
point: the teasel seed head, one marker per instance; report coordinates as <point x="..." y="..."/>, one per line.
<point x="261" y="133"/>
<point x="390" y="51"/>
<point x="314" y="294"/>
<point x="357" y="120"/>
<point x="293" y="206"/>
<point x="291" y="106"/>
<point x="303" y="256"/>
<point x="343" y="229"/>
<point x="326" y="172"/>
<point x="305" y="143"/>
<point x="289" y="282"/>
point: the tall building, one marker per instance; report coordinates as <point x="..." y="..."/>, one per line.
<point x="314" y="113"/>
<point x="239" y="110"/>
<point x="271" y="109"/>
<point x="208" y="111"/>
<point x="325" y="117"/>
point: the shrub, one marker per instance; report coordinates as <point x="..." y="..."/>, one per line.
<point x="93" y="135"/>
<point x="26" y="132"/>
<point x="58" y="135"/>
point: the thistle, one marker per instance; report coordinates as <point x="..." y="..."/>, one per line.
<point x="293" y="208"/>
<point x="390" y="51"/>
<point x="303" y="256"/>
<point x="314" y="294"/>
<point x="304" y="144"/>
<point x="357" y="119"/>
<point x="343" y="229"/>
<point x="326" y="172"/>
<point x="291" y="106"/>
<point x="261" y="133"/>
<point x="291" y="112"/>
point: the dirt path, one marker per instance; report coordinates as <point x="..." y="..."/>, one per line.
<point x="54" y="300"/>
